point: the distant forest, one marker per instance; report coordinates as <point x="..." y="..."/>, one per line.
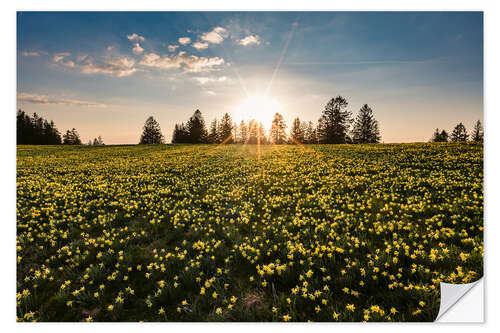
<point x="335" y="126"/>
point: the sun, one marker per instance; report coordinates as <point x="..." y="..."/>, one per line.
<point x="258" y="107"/>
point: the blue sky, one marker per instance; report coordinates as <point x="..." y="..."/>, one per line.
<point x="104" y="73"/>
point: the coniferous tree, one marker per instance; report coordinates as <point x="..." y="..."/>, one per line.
<point x="180" y="134"/>
<point x="36" y="130"/>
<point x="444" y="136"/>
<point x="277" y="133"/>
<point x="459" y="133"/>
<point x="297" y="131"/>
<point x="196" y="128"/>
<point x="365" y="129"/>
<point x="310" y="134"/>
<point x="225" y="131"/>
<point x="212" y="134"/>
<point x="477" y="132"/>
<point x="243" y="132"/>
<point x="71" y="137"/>
<point x="334" y="123"/>
<point x="439" y="136"/>
<point x="151" y="133"/>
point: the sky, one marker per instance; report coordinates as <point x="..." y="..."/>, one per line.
<point x="104" y="73"/>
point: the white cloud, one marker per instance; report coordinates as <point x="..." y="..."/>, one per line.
<point x="184" y="40"/>
<point x="109" y="48"/>
<point x="173" y="48"/>
<point x="200" y="45"/>
<point x="60" y="56"/>
<point x="135" y="37"/>
<point x="204" y="79"/>
<point x="44" y="99"/>
<point x="249" y="40"/>
<point x="30" y="54"/>
<point x="211" y="93"/>
<point x="137" y="49"/>
<point x="216" y="36"/>
<point x="119" y="67"/>
<point x="68" y="63"/>
<point x="81" y="58"/>
<point x="189" y="63"/>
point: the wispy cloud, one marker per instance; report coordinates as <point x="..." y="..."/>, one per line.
<point x="206" y="79"/>
<point x="173" y="48"/>
<point x="189" y="63"/>
<point x="30" y="54"/>
<point x="200" y="45"/>
<point x="249" y="40"/>
<point x="60" y="56"/>
<point x="216" y="36"/>
<point x="119" y="67"/>
<point x="135" y="37"/>
<point x="45" y="99"/>
<point x="184" y="40"/>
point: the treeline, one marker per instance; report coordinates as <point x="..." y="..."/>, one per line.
<point x="459" y="134"/>
<point x="335" y="125"/>
<point x="34" y="130"/>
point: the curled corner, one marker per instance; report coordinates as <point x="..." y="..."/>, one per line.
<point x="451" y="294"/>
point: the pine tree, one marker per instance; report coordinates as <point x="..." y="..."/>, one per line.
<point x="444" y="136"/>
<point x="334" y="123"/>
<point x="277" y="133"/>
<point x="151" y="133"/>
<point x="243" y="132"/>
<point x="225" y="132"/>
<point x="477" y="132"/>
<point x="310" y="134"/>
<point x="212" y="134"/>
<point x="365" y="129"/>
<point x="196" y="128"/>
<point x="439" y="136"/>
<point x="459" y="133"/>
<point x="297" y="131"/>
<point x="180" y="134"/>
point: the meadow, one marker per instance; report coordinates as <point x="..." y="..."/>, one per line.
<point x="245" y="232"/>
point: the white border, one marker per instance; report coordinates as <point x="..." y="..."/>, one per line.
<point x="492" y="130"/>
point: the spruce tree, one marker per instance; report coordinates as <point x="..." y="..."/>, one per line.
<point x="477" y="132"/>
<point x="459" y="133"/>
<point x="151" y="133"/>
<point x="225" y="131"/>
<point x="365" y="129"/>
<point x="278" y="126"/>
<point x="196" y="128"/>
<point x="334" y="123"/>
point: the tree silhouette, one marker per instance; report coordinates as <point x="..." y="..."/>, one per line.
<point x="439" y="136"/>
<point x="212" y="134"/>
<point x="180" y="134"/>
<point x="36" y="130"/>
<point x="71" y="137"/>
<point x="477" y="132"/>
<point x="151" y="132"/>
<point x="277" y="133"/>
<point x="459" y="133"/>
<point x="365" y="129"/>
<point x="225" y="129"/>
<point x="334" y="123"/>
<point x="196" y="128"/>
<point x="310" y="134"/>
